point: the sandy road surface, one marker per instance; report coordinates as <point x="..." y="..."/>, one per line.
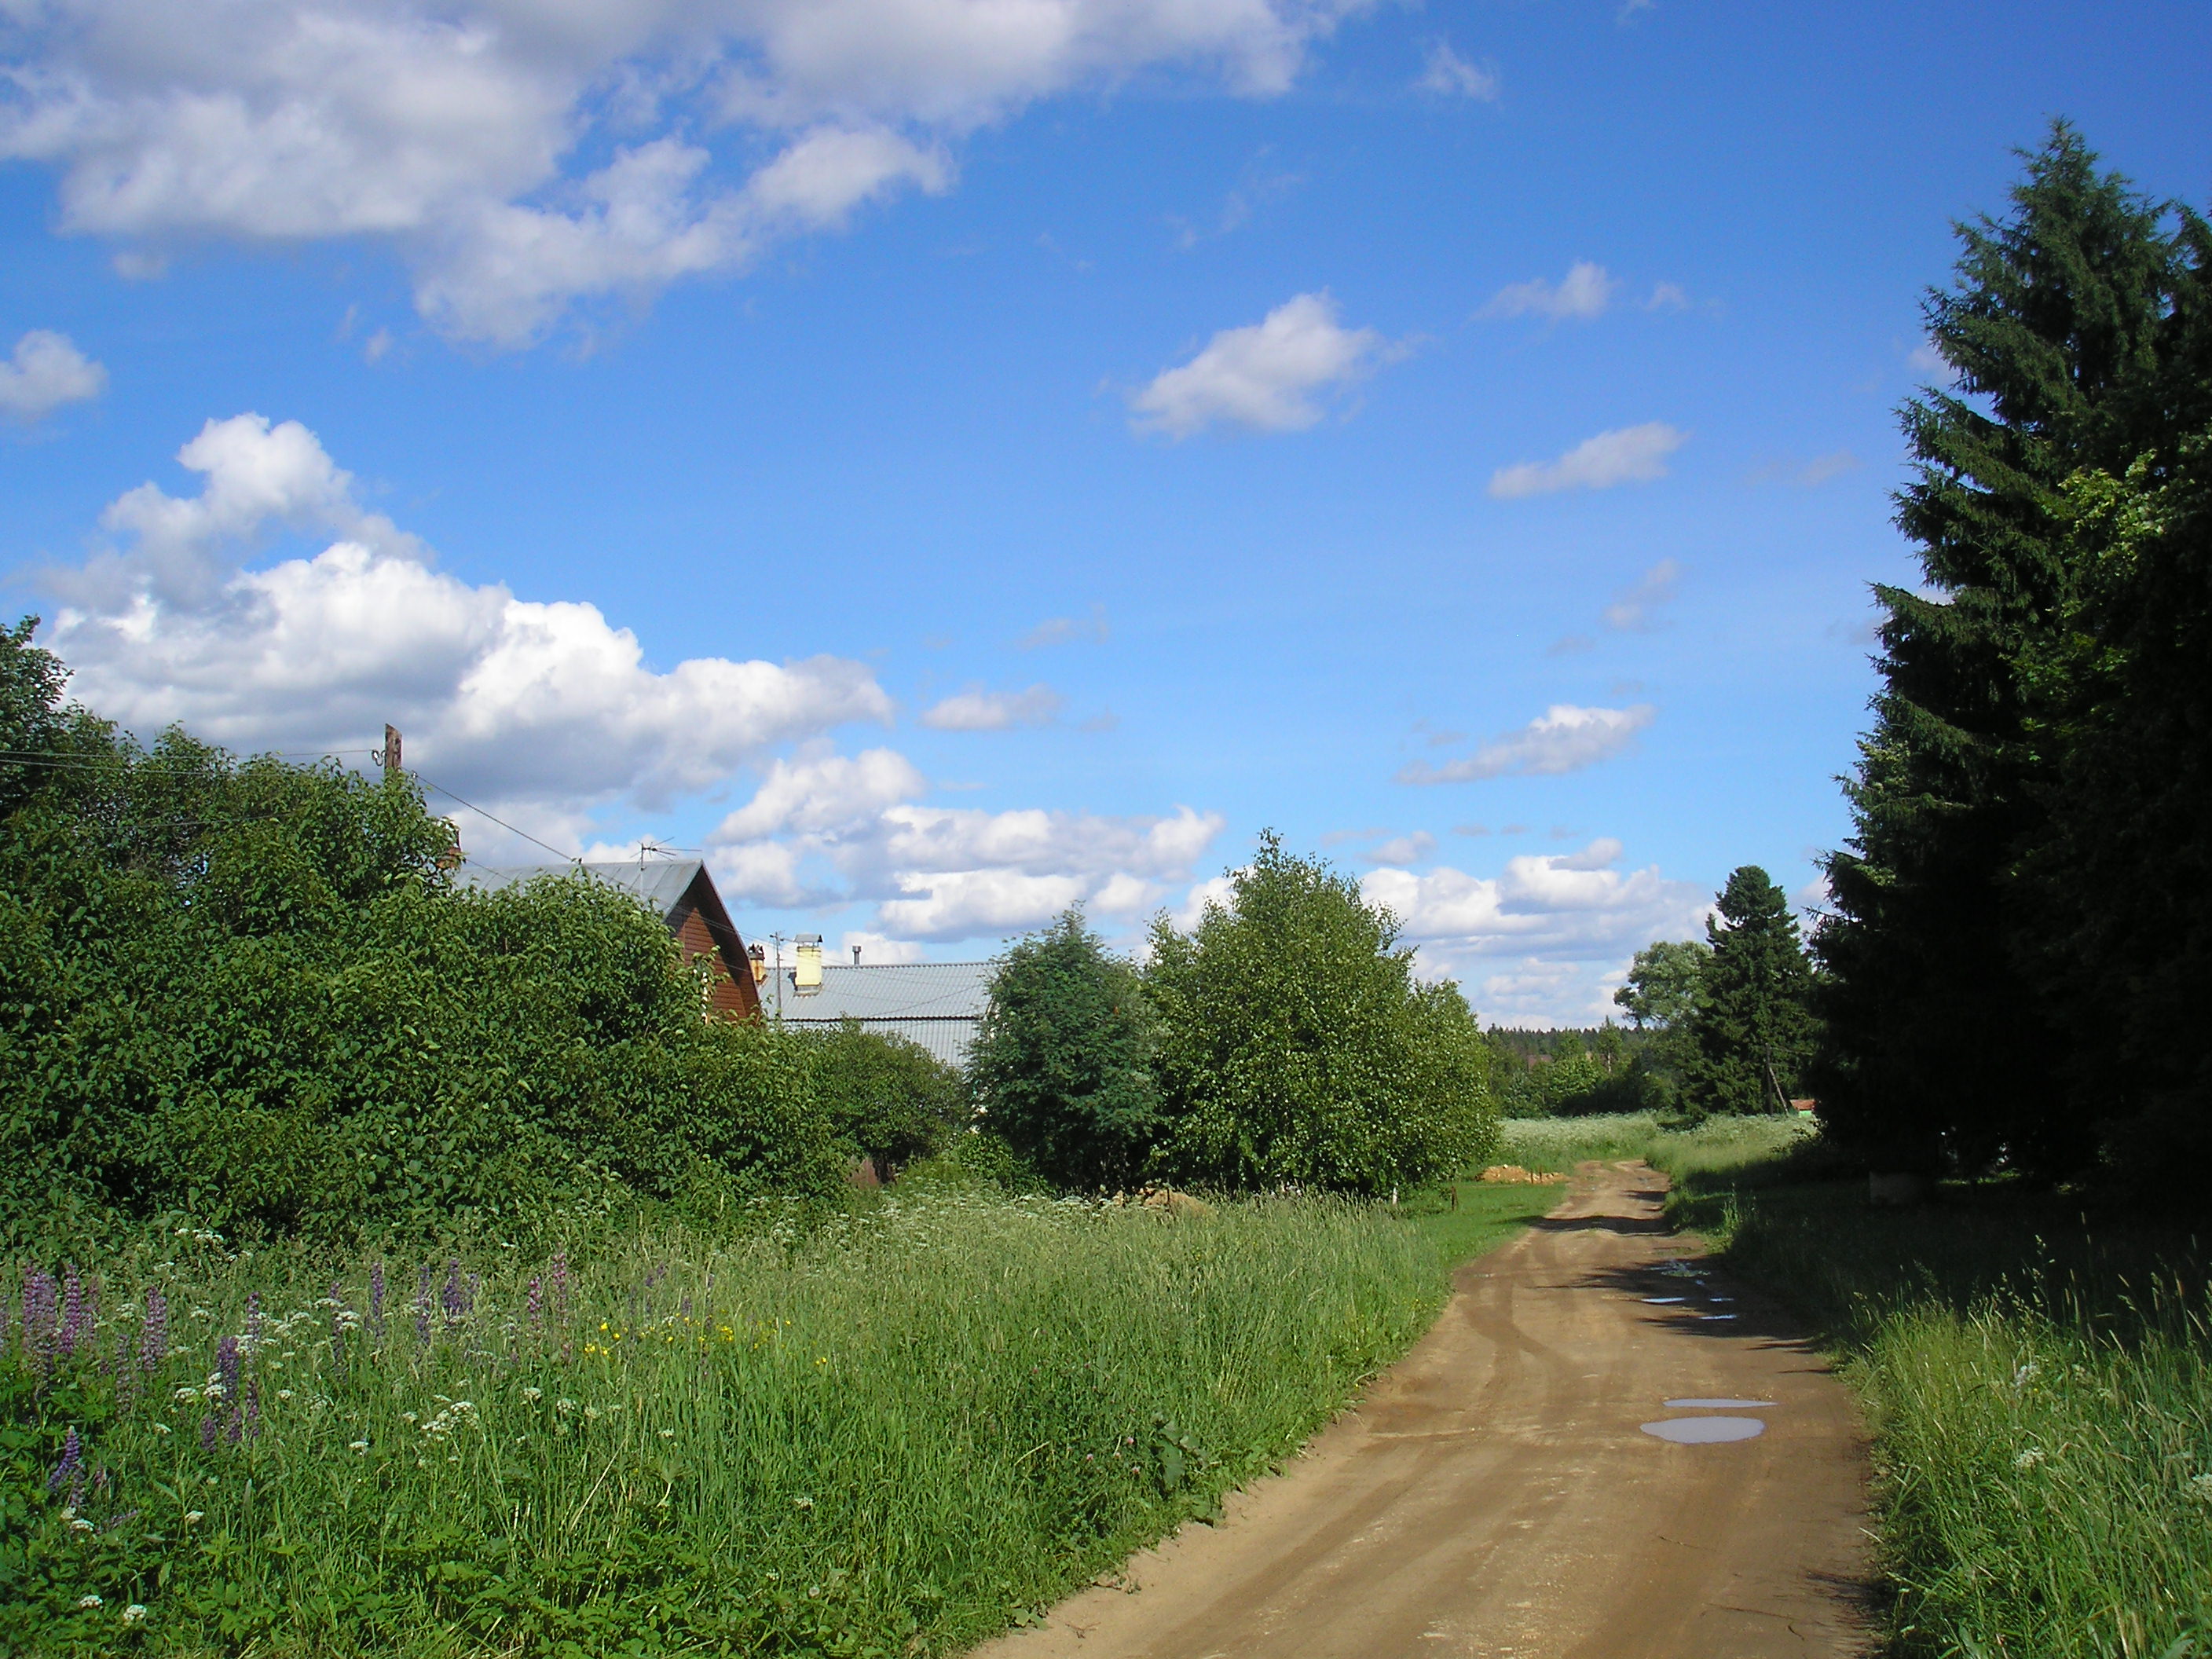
<point x="1495" y="1494"/>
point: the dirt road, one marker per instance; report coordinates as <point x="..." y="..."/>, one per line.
<point x="1496" y="1492"/>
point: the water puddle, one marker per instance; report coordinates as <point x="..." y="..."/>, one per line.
<point x="1704" y="1430"/>
<point x="1716" y="1315"/>
<point x="1666" y="1298"/>
<point x="1701" y="1404"/>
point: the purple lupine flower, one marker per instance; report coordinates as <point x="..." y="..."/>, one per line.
<point x="454" y="1298"/>
<point x="69" y="1471"/>
<point x="536" y="1316"/>
<point x="226" y="1366"/>
<point x="210" y="1430"/>
<point x="73" y="1316"/>
<point x="254" y="1323"/>
<point x="99" y="1481"/>
<point x="41" y="1319"/>
<point x="376" y="1302"/>
<point x="118" y="1366"/>
<point x="154" y="1335"/>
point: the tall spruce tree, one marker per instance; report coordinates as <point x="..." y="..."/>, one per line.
<point x="1942" y="1040"/>
<point x="1752" y="1030"/>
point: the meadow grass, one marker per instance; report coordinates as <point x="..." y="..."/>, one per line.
<point x="1480" y="1218"/>
<point x="1546" y="1144"/>
<point x="894" y="1434"/>
<point x="2038" y="1378"/>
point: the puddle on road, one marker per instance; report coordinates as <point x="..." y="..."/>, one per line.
<point x="1666" y="1298"/>
<point x="1701" y="1404"/>
<point x="1704" y="1430"/>
<point x="1716" y="1315"/>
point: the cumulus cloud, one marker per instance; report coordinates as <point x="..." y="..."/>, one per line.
<point x="508" y="699"/>
<point x="1563" y="739"/>
<point x="936" y="872"/>
<point x="978" y="710"/>
<point x="1633" y="454"/>
<point x="456" y="132"/>
<point x="45" y="372"/>
<point x="1444" y="72"/>
<point x="1584" y="291"/>
<point x="1565" y="921"/>
<point x="1631" y="609"/>
<point x="1264" y="377"/>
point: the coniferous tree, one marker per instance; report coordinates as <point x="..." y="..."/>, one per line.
<point x="1941" y="1036"/>
<point x="1754" y="1027"/>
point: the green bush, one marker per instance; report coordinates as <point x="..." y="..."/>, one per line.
<point x="888" y="1100"/>
<point x="1297" y="1049"/>
<point x="1062" y="1067"/>
<point x="245" y="991"/>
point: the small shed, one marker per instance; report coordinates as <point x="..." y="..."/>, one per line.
<point x="682" y="893"/>
<point x="936" y="1005"/>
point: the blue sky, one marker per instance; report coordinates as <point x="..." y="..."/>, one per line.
<point x="951" y="461"/>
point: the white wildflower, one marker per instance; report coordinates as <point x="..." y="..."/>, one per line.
<point x="134" y="1614"/>
<point x="193" y="1517"/>
<point x="80" y="1524"/>
<point x="533" y="1396"/>
<point x="88" y="1601"/>
<point x="802" y="1503"/>
<point x="2028" y="1459"/>
<point x="186" y="1396"/>
<point x="2025" y="1375"/>
<point x="162" y="1428"/>
<point x="283" y="1393"/>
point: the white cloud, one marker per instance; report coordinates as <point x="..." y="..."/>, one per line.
<point x="978" y="710"/>
<point x="1634" y="454"/>
<point x="455" y="132"/>
<point x="1584" y="291"/>
<point x="1926" y="360"/>
<point x="1264" y="376"/>
<point x="1563" y="739"/>
<point x="935" y="872"/>
<point x="1444" y="72"/>
<point x="1064" y="630"/>
<point x="509" y="701"/>
<point x="1668" y="296"/>
<point x="46" y="372"/>
<point x="1402" y="849"/>
<point x="1566" y="921"/>
<point x="1631" y="609"/>
<point x="878" y="949"/>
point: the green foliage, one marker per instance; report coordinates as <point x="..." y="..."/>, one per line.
<point x="895" y="1432"/>
<point x="1753" y="1029"/>
<point x="1297" y="1048"/>
<point x="2020" y="915"/>
<point x="2039" y="1383"/>
<point x="245" y="991"/>
<point x="1568" y="1072"/>
<point x="888" y="1100"/>
<point x="1061" y="1068"/>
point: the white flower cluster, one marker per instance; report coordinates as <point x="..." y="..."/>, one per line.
<point x="456" y="1414"/>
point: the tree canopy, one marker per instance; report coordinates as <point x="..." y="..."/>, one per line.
<point x="1753" y="1028"/>
<point x="2021" y="919"/>
<point x="1297" y="1047"/>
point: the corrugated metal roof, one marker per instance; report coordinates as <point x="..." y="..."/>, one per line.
<point x="659" y="882"/>
<point x="937" y="1005"/>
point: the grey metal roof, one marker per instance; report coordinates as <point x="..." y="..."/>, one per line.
<point x="937" y="1004"/>
<point x="660" y="883"/>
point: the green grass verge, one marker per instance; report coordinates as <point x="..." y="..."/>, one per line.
<point x="1483" y="1218"/>
<point x="1550" y="1144"/>
<point x="2040" y="1382"/>
<point x="893" y="1435"/>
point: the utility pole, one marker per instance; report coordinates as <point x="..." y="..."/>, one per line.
<point x="388" y="756"/>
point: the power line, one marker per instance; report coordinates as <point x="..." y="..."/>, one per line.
<point x="571" y="857"/>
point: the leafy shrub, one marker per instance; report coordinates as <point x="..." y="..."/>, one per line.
<point x="1062" y="1065"/>
<point x="247" y="991"/>
<point x="1296" y="1047"/>
<point x="888" y="1100"/>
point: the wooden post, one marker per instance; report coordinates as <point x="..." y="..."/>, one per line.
<point x="389" y="759"/>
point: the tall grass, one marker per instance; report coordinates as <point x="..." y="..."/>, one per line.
<point x="1549" y="1144"/>
<point x="2039" y="1380"/>
<point x="889" y="1437"/>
